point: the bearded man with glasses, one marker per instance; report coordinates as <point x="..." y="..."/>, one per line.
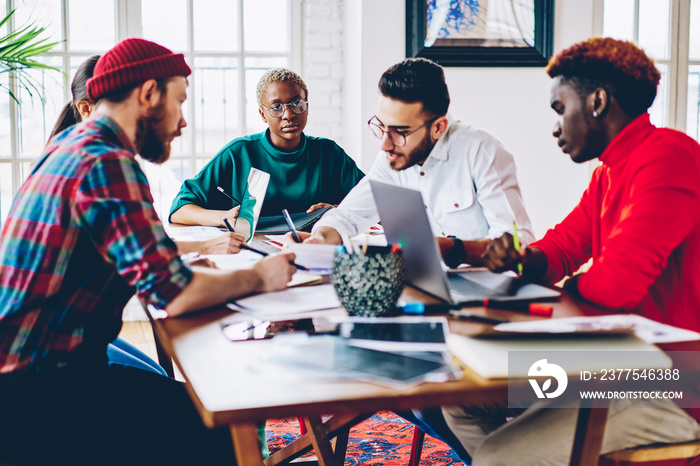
<point x="306" y="173"/>
<point x="466" y="177"/>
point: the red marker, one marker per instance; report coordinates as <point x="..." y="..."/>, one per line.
<point x="536" y="309"/>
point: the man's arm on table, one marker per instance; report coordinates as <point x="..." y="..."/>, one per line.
<point x="210" y="287"/>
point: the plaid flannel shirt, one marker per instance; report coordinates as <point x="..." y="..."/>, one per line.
<point x="82" y="235"/>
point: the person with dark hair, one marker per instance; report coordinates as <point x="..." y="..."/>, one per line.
<point x="467" y="178"/>
<point x="80" y="106"/>
<point x="81" y="238"/>
<point x="638" y="223"/>
<point x="306" y="172"/>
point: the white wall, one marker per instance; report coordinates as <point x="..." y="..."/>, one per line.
<point x="510" y="103"/>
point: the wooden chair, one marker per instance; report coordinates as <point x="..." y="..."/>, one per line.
<point x="658" y="454"/>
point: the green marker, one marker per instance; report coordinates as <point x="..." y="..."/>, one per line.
<point x="516" y="243"/>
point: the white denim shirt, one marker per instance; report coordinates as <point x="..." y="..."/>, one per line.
<point x="468" y="183"/>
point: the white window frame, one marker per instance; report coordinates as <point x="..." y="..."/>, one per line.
<point x="129" y="24"/>
<point x="678" y="62"/>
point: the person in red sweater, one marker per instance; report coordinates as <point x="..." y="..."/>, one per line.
<point x="638" y="221"/>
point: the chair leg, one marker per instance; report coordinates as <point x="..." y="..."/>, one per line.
<point x="416" y="446"/>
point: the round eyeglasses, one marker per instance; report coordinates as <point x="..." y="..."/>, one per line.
<point x="277" y="110"/>
<point x="398" y="139"/>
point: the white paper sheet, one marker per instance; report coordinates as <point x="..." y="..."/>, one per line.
<point x="288" y="302"/>
<point x="315" y="257"/>
<point x="192" y="233"/>
<point x="645" y="329"/>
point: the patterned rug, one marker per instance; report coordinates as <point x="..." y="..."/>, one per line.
<point x="382" y="440"/>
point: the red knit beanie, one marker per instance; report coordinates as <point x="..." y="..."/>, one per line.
<point x="132" y="62"/>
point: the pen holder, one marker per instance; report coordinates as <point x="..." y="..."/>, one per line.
<point x="369" y="284"/>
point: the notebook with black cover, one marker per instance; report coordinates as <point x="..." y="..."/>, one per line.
<point x="276" y="225"/>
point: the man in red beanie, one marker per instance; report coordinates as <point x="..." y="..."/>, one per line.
<point x="82" y="236"/>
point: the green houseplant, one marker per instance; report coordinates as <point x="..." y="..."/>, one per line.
<point x="18" y="52"/>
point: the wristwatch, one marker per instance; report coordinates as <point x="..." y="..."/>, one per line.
<point x="457" y="254"/>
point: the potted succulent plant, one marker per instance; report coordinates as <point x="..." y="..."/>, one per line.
<point x="18" y="52"/>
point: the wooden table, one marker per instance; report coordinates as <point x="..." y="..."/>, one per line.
<point x="227" y="390"/>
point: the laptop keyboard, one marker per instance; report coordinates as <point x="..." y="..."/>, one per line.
<point x="467" y="290"/>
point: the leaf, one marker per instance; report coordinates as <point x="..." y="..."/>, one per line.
<point x="18" y="50"/>
<point x="546" y="385"/>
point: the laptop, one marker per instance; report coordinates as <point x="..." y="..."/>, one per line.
<point x="405" y="221"/>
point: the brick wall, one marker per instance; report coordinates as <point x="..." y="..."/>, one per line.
<point x="323" y="66"/>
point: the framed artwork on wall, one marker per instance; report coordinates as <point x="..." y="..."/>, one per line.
<point x="480" y="32"/>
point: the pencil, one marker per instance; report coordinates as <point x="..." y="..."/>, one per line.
<point x="221" y="190"/>
<point x="228" y="225"/>
<point x="516" y="243"/>
<point x="263" y="253"/>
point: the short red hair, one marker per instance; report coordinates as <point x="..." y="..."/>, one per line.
<point x="619" y="66"/>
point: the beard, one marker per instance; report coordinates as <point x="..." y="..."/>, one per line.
<point x="152" y="140"/>
<point x="416" y="156"/>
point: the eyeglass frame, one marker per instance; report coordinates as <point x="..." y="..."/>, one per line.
<point x="306" y="107"/>
<point x="404" y="135"/>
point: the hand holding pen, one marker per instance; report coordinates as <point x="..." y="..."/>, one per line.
<point x="258" y="251"/>
<point x="504" y="254"/>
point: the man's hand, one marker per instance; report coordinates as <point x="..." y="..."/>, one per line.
<point x="320" y="205"/>
<point x="500" y="254"/>
<point x="275" y="271"/>
<point x="228" y="243"/>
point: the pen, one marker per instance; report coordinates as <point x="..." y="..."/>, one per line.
<point x="263" y="253"/>
<point x="467" y="315"/>
<point x="291" y="226"/>
<point x="228" y="225"/>
<point x="516" y="243"/>
<point x="221" y="190"/>
<point x="537" y="309"/>
<point x="419" y="308"/>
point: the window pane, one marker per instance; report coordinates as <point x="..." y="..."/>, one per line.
<point x="265" y="25"/>
<point x="255" y="68"/>
<point x="180" y="167"/>
<point x="45" y="13"/>
<point x="39" y="113"/>
<point x="216" y="104"/>
<point x="165" y="22"/>
<point x="5" y="190"/>
<point x="618" y="19"/>
<point x="693" y="121"/>
<point x="695" y="30"/>
<point x="181" y="144"/>
<point x="659" y="110"/>
<point x="5" y="135"/>
<point x="216" y="25"/>
<point x="91" y="24"/>
<point x="654" y="20"/>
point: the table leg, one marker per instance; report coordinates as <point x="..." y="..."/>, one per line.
<point x="590" y="428"/>
<point x="246" y="444"/>
<point x="319" y="440"/>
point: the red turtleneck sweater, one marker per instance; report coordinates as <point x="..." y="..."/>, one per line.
<point x="639" y="220"/>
